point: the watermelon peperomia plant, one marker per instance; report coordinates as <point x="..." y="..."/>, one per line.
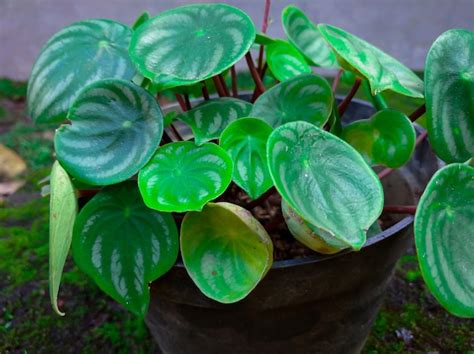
<point x="144" y="181"/>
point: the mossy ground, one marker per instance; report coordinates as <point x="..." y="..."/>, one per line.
<point x="410" y="320"/>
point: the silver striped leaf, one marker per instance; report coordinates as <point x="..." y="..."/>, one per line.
<point x="245" y="140"/>
<point x="444" y="238"/>
<point x="285" y="61"/>
<point x="74" y="57"/>
<point x="183" y="176"/>
<point x="123" y="245"/>
<point x="192" y="42"/>
<point x="304" y="35"/>
<point x="208" y="119"/>
<point x="116" y="128"/>
<point x="325" y="181"/>
<point x="307" y="98"/>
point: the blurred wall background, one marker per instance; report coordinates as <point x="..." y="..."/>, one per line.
<point x="403" y="28"/>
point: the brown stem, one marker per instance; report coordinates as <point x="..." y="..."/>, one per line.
<point x="233" y="74"/>
<point x="205" y="91"/>
<point x="261" y="199"/>
<point x="255" y="76"/>
<point x="266" y="13"/>
<point x="337" y="78"/>
<point x="218" y="85"/>
<point x="256" y="92"/>
<point x="181" y="102"/>
<point x="418" y="113"/>
<point x="400" y="209"/>
<point x="224" y="86"/>
<point x="175" y="132"/>
<point x="345" y="103"/>
<point x="385" y="172"/>
<point x="187" y="102"/>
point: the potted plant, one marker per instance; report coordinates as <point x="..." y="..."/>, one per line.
<point x="208" y="217"/>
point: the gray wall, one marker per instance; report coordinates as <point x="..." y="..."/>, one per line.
<point x="403" y="28"/>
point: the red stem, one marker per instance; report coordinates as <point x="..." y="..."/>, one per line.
<point x="400" y="209"/>
<point x="266" y="13"/>
<point x="233" y="74"/>
<point x="187" y="101"/>
<point x="253" y="71"/>
<point x="418" y="113"/>
<point x="345" y="103"/>
<point x="224" y="86"/>
<point x="181" y="102"/>
<point x="218" y="85"/>
<point x="337" y="78"/>
<point x="256" y="93"/>
<point x="205" y="91"/>
<point x="87" y="192"/>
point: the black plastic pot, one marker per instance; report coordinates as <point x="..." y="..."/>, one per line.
<point x="318" y="304"/>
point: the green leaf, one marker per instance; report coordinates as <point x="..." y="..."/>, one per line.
<point x="192" y="42"/>
<point x="63" y="210"/>
<point x="245" y="140"/>
<point x="387" y="138"/>
<point x="444" y="238"/>
<point x="449" y="95"/>
<point x="263" y="39"/>
<point x="285" y="61"/>
<point x="122" y="245"/>
<point x="361" y="57"/>
<point x="307" y="97"/>
<point x="225" y="250"/>
<point x="325" y="181"/>
<point x="183" y="176"/>
<point x="304" y="35"/>
<point x="208" y="119"/>
<point x="145" y="16"/>
<point x="116" y="128"/>
<point x="74" y="57"/>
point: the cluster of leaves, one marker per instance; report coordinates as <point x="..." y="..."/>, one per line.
<point x="101" y="76"/>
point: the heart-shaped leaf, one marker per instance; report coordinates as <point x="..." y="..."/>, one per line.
<point x="314" y="238"/>
<point x="192" y="42"/>
<point x="116" y="128"/>
<point x="361" y="57"/>
<point x="225" y="250"/>
<point x="304" y="35"/>
<point x="245" y="140"/>
<point x="209" y="119"/>
<point x="387" y="138"/>
<point x="76" y="56"/>
<point x="325" y="181"/>
<point x="307" y="97"/>
<point x="63" y="210"/>
<point x="285" y="61"/>
<point x="123" y="245"/>
<point x="444" y="238"/>
<point x="449" y="94"/>
<point x="183" y="176"/>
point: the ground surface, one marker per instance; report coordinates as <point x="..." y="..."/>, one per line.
<point x="410" y="320"/>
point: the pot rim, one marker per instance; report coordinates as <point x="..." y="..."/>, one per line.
<point x="319" y="257"/>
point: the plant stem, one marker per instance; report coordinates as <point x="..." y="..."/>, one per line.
<point x="81" y="193"/>
<point x="261" y="199"/>
<point x="205" y="91"/>
<point x="181" y="102"/>
<point x="336" y="80"/>
<point x="418" y="113"/>
<point x="385" y="172"/>
<point x="266" y="13"/>
<point x="218" y="85"/>
<point x="187" y="101"/>
<point x="233" y="74"/>
<point x="378" y="102"/>
<point x="345" y="103"/>
<point x="255" y="76"/>
<point x="175" y="132"/>
<point x="400" y="209"/>
<point x="256" y="93"/>
<point x="224" y="86"/>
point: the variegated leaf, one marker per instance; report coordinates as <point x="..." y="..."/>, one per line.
<point x="245" y="140"/>
<point x="192" y="42"/>
<point x="325" y="181"/>
<point x="307" y="98"/>
<point x="116" y="128"/>
<point x="225" y="250"/>
<point x="285" y="61"/>
<point x="208" y="119"/>
<point x="304" y="35"/>
<point x="123" y="246"/>
<point x="444" y="238"/>
<point x="74" y="57"/>
<point x="183" y="176"/>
